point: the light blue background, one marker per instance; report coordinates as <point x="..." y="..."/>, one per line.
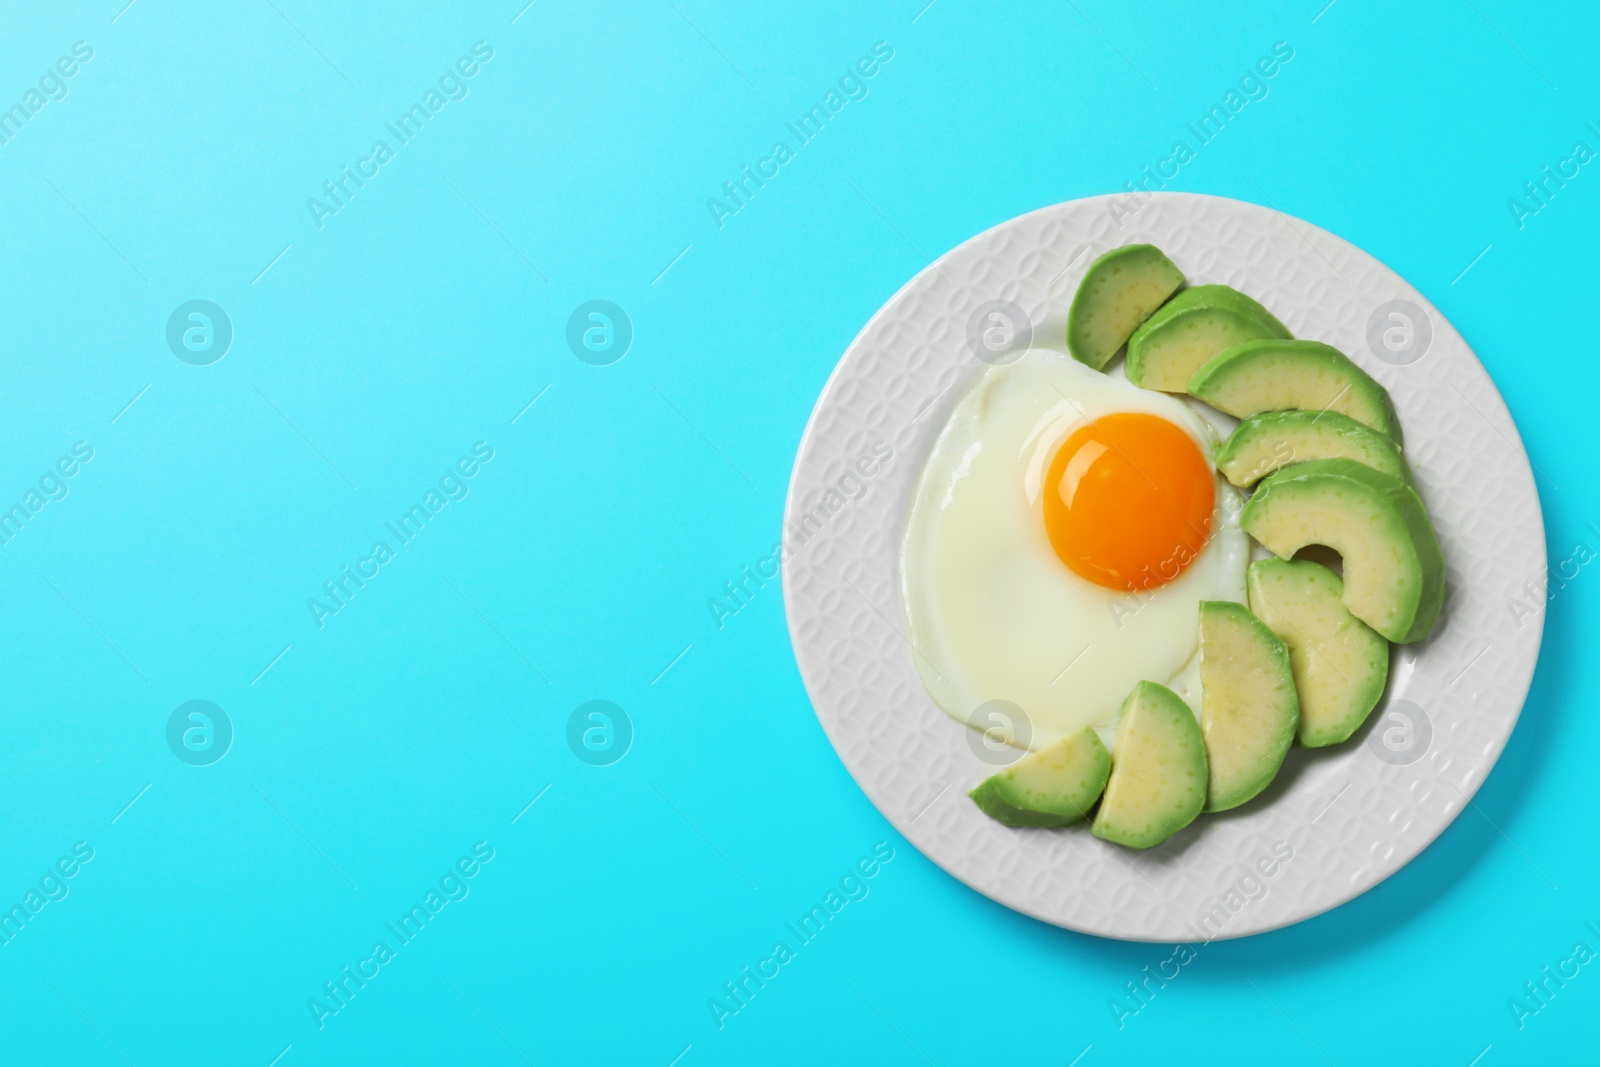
<point x="423" y="318"/>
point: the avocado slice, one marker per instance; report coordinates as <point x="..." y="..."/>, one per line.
<point x="1269" y="440"/>
<point x="1393" y="569"/>
<point x="1340" y="663"/>
<point x="1274" y="375"/>
<point x="1249" y="709"/>
<point x="1051" y="787"/>
<point x="1118" y="292"/>
<point x="1192" y="327"/>
<point x="1158" y="771"/>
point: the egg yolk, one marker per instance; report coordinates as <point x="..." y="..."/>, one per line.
<point x="1128" y="501"/>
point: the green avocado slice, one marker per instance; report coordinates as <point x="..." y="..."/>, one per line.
<point x="1270" y="440"/>
<point x="1340" y="663"/>
<point x="1189" y="329"/>
<point x="1249" y="709"/>
<point x="1277" y="375"/>
<point x="1054" y="786"/>
<point x="1393" y="568"/>
<point x="1118" y="292"/>
<point x="1158" y="770"/>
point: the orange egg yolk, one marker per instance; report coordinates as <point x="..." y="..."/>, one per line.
<point x="1128" y="501"/>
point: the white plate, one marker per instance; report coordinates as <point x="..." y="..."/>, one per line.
<point x="1337" y="821"/>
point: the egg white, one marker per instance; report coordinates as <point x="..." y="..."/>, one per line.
<point x="993" y="613"/>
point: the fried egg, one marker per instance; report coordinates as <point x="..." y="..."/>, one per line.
<point x="1062" y="534"/>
